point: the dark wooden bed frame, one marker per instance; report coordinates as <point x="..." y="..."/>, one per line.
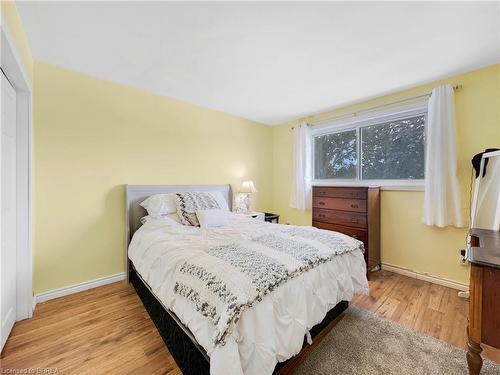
<point x="181" y="343"/>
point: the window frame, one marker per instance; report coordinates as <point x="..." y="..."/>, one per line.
<point x="357" y="123"/>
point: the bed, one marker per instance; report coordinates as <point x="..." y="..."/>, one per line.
<point x="266" y="334"/>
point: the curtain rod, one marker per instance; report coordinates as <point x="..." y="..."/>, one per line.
<point x="354" y="114"/>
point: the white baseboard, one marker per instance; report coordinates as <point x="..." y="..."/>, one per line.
<point x="426" y="277"/>
<point x="61" y="292"/>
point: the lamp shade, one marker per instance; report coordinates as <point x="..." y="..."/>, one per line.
<point x="248" y="187"/>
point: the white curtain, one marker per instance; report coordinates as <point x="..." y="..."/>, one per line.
<point x="442" y="206"/>
<point x="300" y="197"/>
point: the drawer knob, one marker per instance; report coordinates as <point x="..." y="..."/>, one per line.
<point x="353" y="220"/>
<point x="321" y="203"/>
<point x="354" y="205"/>
<point x="354" y="236"/>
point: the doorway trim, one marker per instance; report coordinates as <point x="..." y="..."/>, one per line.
<point x="13" y="68"/>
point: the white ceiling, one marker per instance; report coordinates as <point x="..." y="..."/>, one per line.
<point x="269" y="62"/>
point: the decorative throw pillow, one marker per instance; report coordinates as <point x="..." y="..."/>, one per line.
<point x="191" y="201"/>
<point x="212" y="218"/>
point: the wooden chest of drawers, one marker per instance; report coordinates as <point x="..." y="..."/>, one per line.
<point x="354" y="211"/>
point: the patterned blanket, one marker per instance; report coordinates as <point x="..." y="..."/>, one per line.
<point x="226" y="279"/>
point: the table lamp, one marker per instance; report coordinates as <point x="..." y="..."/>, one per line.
<point x="248" y="187"/>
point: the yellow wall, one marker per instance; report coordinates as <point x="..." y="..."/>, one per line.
<point x="11" y="18"/>
<point x="406" y="242"/>
<point x="92" y="136"/>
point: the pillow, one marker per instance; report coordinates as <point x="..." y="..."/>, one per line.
<point x="220" y="199"/>
<point x="212" y="218"/>
<point x="159" y="205"/>
<point x="191" y="201"/>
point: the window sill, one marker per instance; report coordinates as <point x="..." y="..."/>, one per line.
<point x="384" y="185"/>
<point x="403" y="187"/>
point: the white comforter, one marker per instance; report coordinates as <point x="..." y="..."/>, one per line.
<point x="269" y="332"/>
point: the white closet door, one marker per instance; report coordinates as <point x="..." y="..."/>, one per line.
<point x="8" y="209"/>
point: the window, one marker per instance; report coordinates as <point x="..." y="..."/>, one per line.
<point x="386" y="149"/>
<point x="336" y="155"/>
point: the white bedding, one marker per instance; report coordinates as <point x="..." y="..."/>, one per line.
<point x="269" y="332"/>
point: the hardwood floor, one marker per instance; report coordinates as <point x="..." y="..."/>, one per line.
<point x="431" y="309"/>
<point x="107" y="331"/>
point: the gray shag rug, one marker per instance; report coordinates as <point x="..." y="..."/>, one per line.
<point x="363" y="343"/>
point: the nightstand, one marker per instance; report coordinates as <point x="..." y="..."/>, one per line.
<point x="271" y="218"/>
<point x="254" y="215"/>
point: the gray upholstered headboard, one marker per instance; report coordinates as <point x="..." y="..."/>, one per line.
<point x="135" y="194"/>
